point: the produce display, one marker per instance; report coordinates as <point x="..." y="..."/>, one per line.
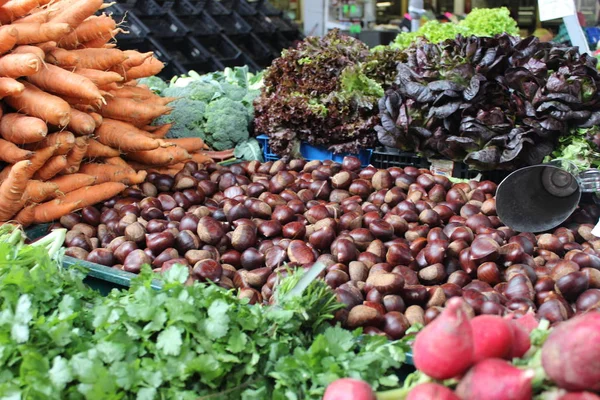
<point x="494" y="103"/>
<point x="325" y="92"/>
<point x="216" y="107"/>
<point x="72" y="109"/>
<point x="479" y="22"/>
<point x="581" y="147"/>
<point x="62" y="340"/>
<point x="397" y="243"/>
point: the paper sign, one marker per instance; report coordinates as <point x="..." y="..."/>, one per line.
<point x="554" y="9"/>
<point x="441" y="167"/>
<point x="596" y="230"/>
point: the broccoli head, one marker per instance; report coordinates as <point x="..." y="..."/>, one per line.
<point x="155" y="84"/>
<point x="226" y="123"/>
<point x="187" y="118"/>
<point x="194" y="90"/>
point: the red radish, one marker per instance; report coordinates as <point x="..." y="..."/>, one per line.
<point x="528" y="321"/>
<point x="444" y="348"/>
<point x="571" y="354"/>
<point x="492" y="337"/>
<point x="495" y="379"/>
<point x="521" y="340"/>
<point x="431" y="391"/>
<point x="579" y="396"/>
<point x="349" y="389"/>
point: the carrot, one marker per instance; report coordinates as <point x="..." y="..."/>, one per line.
<point x="38" y="191"/>
<point x="113" y="173"/>
<point x="60" y="81"/>
<point x="97" y="118"/>
<point x="190" y="144"/>
<point x="26" y="216"/>
<point x="135" y="58"/>
<point x="12" y="189"/>
<point x="10" y="153"/>
<point x="219" y="155"/>
<point x="81" y="123"/>
<point x="39" y="159"/>
<point x="160" y="131"/>
<point x="124" y="136"/>
<point x="100" y="78"/>
<point x="151" y="66"/>
<point x="10" y="87"/>
<point x="68" y="183"/>
<point x="76" y="13"/>
<point x="168" y="170"/>
<point x="8" y="38"/>
<point x="21" y="129"/>
<point x="52" y="167"/>
<point x="201" y="158"/>
<point x="17" y="65"/>
<point x="96" y="149"/>
<point x="62" y="141"/>
<point x="32" y="101"/>
<point x="26" y="49"/>
<point x="91" y="195"/>
<point x="15" y="9"/>
<point x="131" y="110"/>
<point x="54" y="209"/>
<point x="118" y="161"/>
<point x="83" y="104"/>
<point x="37" y="33"/>
<point x="101" y="59"/>
<point x="61" y="57"/>
<point x="161" y="156"/>
<point x="133" y="92"/>
<point x="76" y="155"/>
<point x="92" y="28"/>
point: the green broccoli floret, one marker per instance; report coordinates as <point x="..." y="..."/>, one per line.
<point x="187" y="117"/>
<point x="248" y="101"/>
<point x="155" y="84"/>
<point x="194" y="90"/>
<point x="232" y="91"/>
<point x="226" y="123"/>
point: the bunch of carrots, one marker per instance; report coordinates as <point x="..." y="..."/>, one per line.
<point x="75" y="127"/>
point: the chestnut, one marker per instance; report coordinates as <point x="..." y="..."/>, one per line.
<point x="206" y="270"/>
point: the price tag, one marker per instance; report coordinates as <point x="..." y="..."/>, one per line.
<point x="441" y="167"/>
<point x="596" y="230"/>
<point x="554" y="9"/>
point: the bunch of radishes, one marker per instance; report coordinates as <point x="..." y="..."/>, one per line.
<point x="476" y="353"/>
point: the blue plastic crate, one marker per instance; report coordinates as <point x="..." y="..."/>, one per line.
<point x="310" y="152"/>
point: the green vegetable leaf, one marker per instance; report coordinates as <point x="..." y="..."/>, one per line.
<point x="170" y="341"/>
<point x="248" y="150"/>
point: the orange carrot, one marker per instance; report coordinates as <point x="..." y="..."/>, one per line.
<point x="91" y="195"/>
<point x="15" y="9"/>
<point x="61" y="57"/>
<point x="131" y="110"/>
<point x="151" y="66"/>
<point x="60" y="81"/>
<point x="133" y="92"/>
<point x="8" y="38"/>
<point x="81" y="123"/>
<point x="96" y="149"/>
<point x="68" y="183"/>
<point x="118" y="161"/>
<point x="17" y="65"/>
<point x="62" y="141"/>
<point x="10" y="87"/>
<point x="76" y="155"/>
<point x="124" y="136"/>
<point x="100" y="78"/>
<point x="39" y="191"/>
<point x="160" y="131"/>
<point x="101" y="59"/>
<point x="201" y="158"/>
<point x="84" y="104"/>
<point x="219" y="155"/>
<point x="135" y="58"/>
<point x="76" y="13"/>
<point x="97" y="118"/>
<point x="30" y="33"/>
<point x="52" y="167"/>
<point x="21" y="129"/>
<point x="92" y="28"/>
<point x="161" y="156"/>
<point x="26" y="216"/>
<point x="39" y="159"/>
<point x="167" y="170"/>
<point x="10" y="153"/>
<point x="190" y="144"/>
<point x="113" y="173"/>
<point x="25" y="49"/>
<point x="12" y="189"/>
<point x="53" y="210"/>
<point x="32" y="101"/>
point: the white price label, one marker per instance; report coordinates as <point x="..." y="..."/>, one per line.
<point x="596" y="230"/>
<point x="441" y="167"/>
<point x="554" y="9"/>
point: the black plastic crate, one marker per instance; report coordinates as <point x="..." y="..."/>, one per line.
<point x="182" y="8"/>
<point x="260" y="23"/>
<point x="201" y="67"/>
<point x="148" y="44"/>
<point x="462" y="171"/>
<point x="266" y="8"/>
<point x="136" y="29"/>
<point x="386" y="158"/>
<point x="282" y="23"/>
<point x="186" y="50"/>
<point x="239" y="61"/>
<point x="213" y="7"/>
<point x="233" y="24"/>
<point x="242" y="7"/>
<point x="220" y="47"/>
<point x="275" y="42"/>
<point x="252" y="46"/>
<point x="201" y="25"/>
<point x="144" y="7"/>
<point x="166" y="26"/>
